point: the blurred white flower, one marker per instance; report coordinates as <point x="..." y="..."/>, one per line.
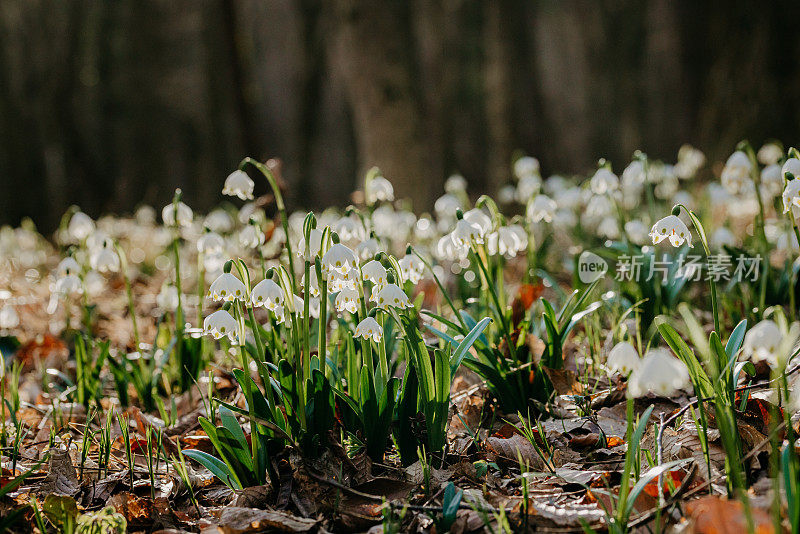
<point x="367" y="249"/>
<point x="239" y="184"/>
<point x="623" y="358"/>
<point x="227" y="288"/>
<point x="604" y="181"/>
<point x="446" y="206"/>
<point x="771" y="180"/>
<point x="369" y="329"/>
<point x="218" y="221"/>
<point x="526" y="166"/>
<point x="183" y="218"/>
<point x="769" y="154"/>
<point x="80" y="226"/>
<point x="167" y="298"/>
<point x="527" y="187"/>
<point x="767" y="342"/>
<point x="68" y="266"/>
<point x="251" y="236"/>
<point x="219" y="324"/>
<point x="542" y="208"/>
<point x="8" y="317"/>
<point x="690" y="160"/>
<point x="636" y="231"/>
<point x="313" y="289"/>
<point x="104" y="260"/>
<point x="378" y="189"/>
<point x="672" y="228"/>
<point x="721" y="237"/>
<point x="349" y="229"/>
<point x="659" y="372"/>
<point x="210" y="243"/>
<point x="455" y="184"/>
<point x="736" y="172"/>
<point x="69" y="284"/>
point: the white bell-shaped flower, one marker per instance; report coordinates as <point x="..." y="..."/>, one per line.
<point x="68" y="266"/>
<point x="367" y="248"/>
<point x="542" y="208"/>
<point x="623" y="358"/>
<point x="369" y="329"/>
<point x="349" y="229"/>
<point x="104" y="260"/>
<point x="68" y="284"/>
<point x="220" y="324"/>
<point x="267" y="293"/>
<point x="339" y="281"/>
<point x="347" y="299"/>
<point x="314" y="245"/>
<point x="659" y="372"/>
<point x="479" y="219"/>
<point x="375" y="272"/>
<point x="183" y="218"/>
<point x="527" y="187"/>
<point x="764" y="342"/>
<point x="392" y="296"/>
<point x="218" y="221"/>
<point x="411" y="268"/>
<point x="466" y="233"/>
<point x="239" y="184"/>
<point x="227" y="288"/>
<point x="339" y="258"/>
<point x="791" y="197"/>
<point x="673" y="228"/>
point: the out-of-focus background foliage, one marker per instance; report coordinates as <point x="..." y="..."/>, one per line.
<point x="111" y="103"/>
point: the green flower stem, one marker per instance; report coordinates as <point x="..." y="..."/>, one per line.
<point x="442" y="290"/>
<point x="501" y="317"/>
<point x="702" y="233"/>
<point x="266" y="376"/>
<point x="248" y="393"/>
<point x="276" y="192"/>
<point x="626" y="472"/>
<point x="383" y="363"/>
<point x="201" y="288"/>
<point x="123" y="267"/>
<point x="322" y="348"/>
<point x="307" y="318"/>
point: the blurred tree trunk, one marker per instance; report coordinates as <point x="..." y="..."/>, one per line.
<point x="373" y="51"/>
<point x="499" y="86"/>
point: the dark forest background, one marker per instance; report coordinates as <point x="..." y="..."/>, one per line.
<point x="111" y="103"/>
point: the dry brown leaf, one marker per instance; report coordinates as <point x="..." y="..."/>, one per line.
<point x="237" y="520"/>
<point x="715" y="515"/>
<point x="62" y="479"/>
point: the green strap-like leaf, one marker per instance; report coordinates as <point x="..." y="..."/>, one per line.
<point x="216" y="466"/>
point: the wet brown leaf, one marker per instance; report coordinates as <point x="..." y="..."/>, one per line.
<point x="715" y="515"/>
<point x="237" y="520"/>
